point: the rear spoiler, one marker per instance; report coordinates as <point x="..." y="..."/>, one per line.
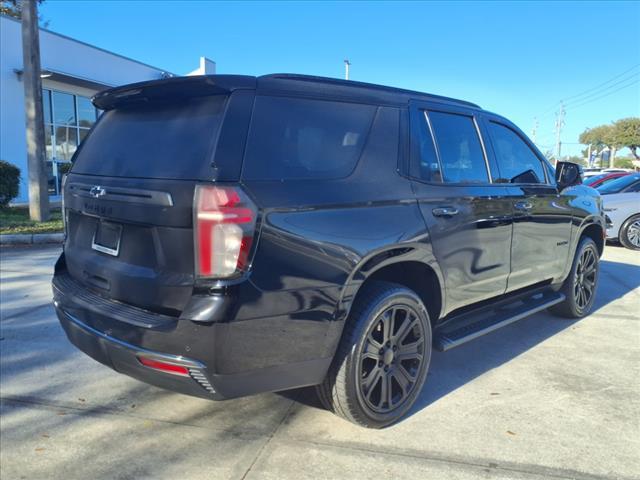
<point x="171" y="89"/>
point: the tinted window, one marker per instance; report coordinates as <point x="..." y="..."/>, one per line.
<point x="154" y="141"/>
<point x="618" y="184"/>
<point x="300" y="138"/>
<point x="634" y="188"/>
<point x="461" y="155"/>
<point x="516" y="161"/>
<point x="426" y="167"/>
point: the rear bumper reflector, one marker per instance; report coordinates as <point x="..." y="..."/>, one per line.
<point x="164" y="367"/>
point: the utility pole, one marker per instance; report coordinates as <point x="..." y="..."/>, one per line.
<point x="534" y="132"/>
<point x="38" y="194"/>
<point x="347" y="64"/>
<point x="559" y="124"/>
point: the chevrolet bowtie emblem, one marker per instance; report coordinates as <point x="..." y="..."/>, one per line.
<point x="97" y="191"/>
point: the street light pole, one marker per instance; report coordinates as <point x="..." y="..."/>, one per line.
<point x="559" y="124"/>
<point x="38" y="194"/>
<point x="347" y="64"/>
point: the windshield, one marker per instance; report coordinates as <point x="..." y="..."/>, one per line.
<point x="618" y="184"/>
<point x="157" y="140"/>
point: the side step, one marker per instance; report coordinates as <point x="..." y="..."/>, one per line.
<point x="472" y="325"/>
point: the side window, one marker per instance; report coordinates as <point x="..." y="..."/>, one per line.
<point x="426" y="166"/>
<point x="295" y="138"/>
<point x="634" y="188"/>
<point x="517" y="162"/>
<point x="461" y="155"/>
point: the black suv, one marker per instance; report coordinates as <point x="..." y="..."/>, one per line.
<point x="228" y="235"/>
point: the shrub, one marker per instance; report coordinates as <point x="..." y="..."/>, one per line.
<point x="624" y="162"/>
<point x="64" y="168"/>
<point x="9" y="182"/>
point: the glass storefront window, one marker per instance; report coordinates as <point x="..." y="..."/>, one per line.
<point x="66" y="142"/>
<point x="46" y="104"/>
<point x="48" y="141"/>
<point x="64" y="109"/>
<point x="86" y="112"/>
<point x="82" y="133"/>
<point x="67" y="119"/>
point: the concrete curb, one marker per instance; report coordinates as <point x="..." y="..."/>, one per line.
<point x="30" y="238"/>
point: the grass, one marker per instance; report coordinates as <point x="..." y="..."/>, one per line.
<point x="16" y="220"/>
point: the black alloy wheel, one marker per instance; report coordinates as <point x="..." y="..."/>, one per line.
<point x="581" y="284"/>
<point x="391" y="358"/>
<point x="383" y="357"/>
<point x="585" y="279"/>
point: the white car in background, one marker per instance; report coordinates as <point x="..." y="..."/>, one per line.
<point x="621" y="201"/>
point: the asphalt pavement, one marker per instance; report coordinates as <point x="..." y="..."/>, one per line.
<point x="542" y="398"/>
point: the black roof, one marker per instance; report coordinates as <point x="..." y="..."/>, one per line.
<point x="382" y="93"/>
<point x="306" y="85"/>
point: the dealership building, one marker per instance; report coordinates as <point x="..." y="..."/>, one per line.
<point x="72" y="72"/>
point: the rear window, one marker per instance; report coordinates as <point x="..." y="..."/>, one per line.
<point x="293" y="138"/>
<point x="165" y="140"/>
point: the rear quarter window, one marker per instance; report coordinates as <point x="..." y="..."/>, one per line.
<point x="295" y="138"/>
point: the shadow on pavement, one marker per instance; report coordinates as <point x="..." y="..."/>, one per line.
<point x="37" y="356"/>
<point x="453" y="369"/>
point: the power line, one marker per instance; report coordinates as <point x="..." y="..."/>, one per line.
<point x="550" y="110"/>
<point x="605" y="95"/>
<point x="603" y="83"/>
<point x="634" y="77"/>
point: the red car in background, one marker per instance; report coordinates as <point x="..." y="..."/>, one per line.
<point x="597" y="180"/>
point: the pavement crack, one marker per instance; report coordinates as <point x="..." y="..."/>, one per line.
<point x="271" y="435"/>
<point x="470" y="462"/>
<point x="102" y="410"/>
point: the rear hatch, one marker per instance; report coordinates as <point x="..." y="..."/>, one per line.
<point x="129" y="196"/>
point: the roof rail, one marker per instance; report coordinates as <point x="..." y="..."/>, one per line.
<point x="371" y="86"/>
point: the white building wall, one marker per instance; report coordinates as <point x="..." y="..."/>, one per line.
<point x="60" y="54"/>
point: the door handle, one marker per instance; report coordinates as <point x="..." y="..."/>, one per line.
<point x="444" y="211"/>
<point x="523" y="206"/>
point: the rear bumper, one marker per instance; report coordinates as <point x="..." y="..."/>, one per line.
<point x="117" y="335"/>
<point x="124" y="358"/>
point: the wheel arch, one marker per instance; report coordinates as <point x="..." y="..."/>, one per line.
<point x="595" y="230"/>
<point x="411" y="266"/>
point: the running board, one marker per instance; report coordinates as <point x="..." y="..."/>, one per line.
<point x="475" y="324"/>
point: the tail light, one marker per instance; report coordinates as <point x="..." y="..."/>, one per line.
<point x="64" y="211"/>
<point x="224" y="227"/>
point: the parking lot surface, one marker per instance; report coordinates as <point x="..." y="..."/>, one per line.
<point x="542" y="398"/>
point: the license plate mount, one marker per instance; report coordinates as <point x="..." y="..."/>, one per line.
<point x="106" y="238"/>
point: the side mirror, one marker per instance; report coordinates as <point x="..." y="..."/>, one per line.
<point x="568" y="174"/>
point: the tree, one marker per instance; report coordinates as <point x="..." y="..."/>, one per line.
<point x="13" y="8"/>
<point x="625" y="162"/>
<point x="598" y="137"/>
<point x="578" y="160"/>
<point x="626" y="133"/>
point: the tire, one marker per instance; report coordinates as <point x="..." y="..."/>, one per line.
<point x="630" y="233"/>
<point x="581" y="285"/>
<point x="369" y="383"/>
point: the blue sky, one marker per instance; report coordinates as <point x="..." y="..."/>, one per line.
<point x="517" y="59"/>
